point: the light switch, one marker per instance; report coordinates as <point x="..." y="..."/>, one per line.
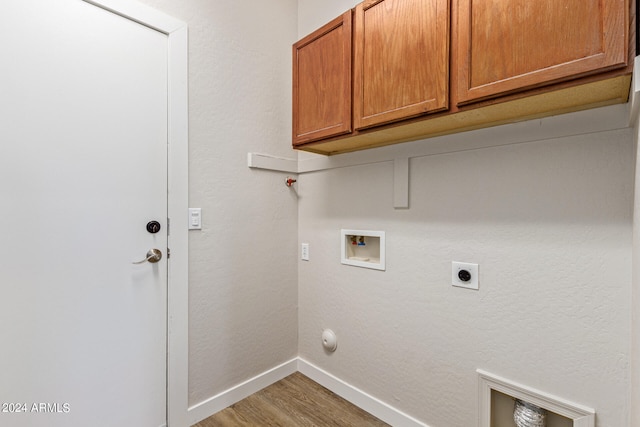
<point x="305" y="252"/>
<point x="195" y="218"/>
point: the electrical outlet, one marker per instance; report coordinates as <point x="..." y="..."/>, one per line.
<point x="464" y="275"/>
<point x="305" y="252"/>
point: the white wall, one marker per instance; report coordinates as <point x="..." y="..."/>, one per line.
<point x="635" y="298"/>
<point x="550" y="224"/>
<point x="243" y="273"/>
<point x="313" y="14"/>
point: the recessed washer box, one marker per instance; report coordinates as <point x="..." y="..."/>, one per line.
<point x="363" y="248"/>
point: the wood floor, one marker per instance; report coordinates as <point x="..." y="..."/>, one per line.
<point x="294" y="401"/>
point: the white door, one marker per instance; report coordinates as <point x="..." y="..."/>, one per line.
<point x="83" y="169"/>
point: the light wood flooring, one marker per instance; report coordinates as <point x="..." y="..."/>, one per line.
<point x="294" y="401"/>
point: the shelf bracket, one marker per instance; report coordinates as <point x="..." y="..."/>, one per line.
<point x="401" y="183"/>
<point x="265" y="161"/>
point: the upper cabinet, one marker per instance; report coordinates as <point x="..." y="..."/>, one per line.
<point x="401" y="70"/>
<point x="401" y="60"/>
<point x="322" y="82"/>
<point x="507" y="46"/>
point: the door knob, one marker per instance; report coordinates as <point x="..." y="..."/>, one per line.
<point x="153" y="256"/>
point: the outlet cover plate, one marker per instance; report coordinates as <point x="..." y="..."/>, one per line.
<point x="195" y="218"/>
<point x="472" y="283"/>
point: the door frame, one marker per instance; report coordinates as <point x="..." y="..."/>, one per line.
<point x="178" y="198"/>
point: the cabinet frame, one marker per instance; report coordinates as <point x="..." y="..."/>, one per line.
<point x="613" y="54"/>
<point x="438" y="101"/>
<point x="327" y="99"/>
<point x="597" y="88"/>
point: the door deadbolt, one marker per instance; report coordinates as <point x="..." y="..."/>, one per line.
<point x="153" y="227"/>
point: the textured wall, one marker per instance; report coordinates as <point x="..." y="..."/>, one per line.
<point x="313" y="14"/>
<point x="635" y="300"/>
<point x="242" y="290"/>
<point x="550" y="225"/>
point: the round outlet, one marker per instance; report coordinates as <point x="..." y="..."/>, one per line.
<point x="464" y="275"/>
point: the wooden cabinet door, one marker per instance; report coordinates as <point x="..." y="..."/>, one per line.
<point x="401" y="60"/>
<point x="508" y="45"/>
<point x="322" y="82"/>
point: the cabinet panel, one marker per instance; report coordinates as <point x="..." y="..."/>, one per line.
<point x="508" y="45"/>
<point x="322" y="82"/>
<point x="400" y="60"/>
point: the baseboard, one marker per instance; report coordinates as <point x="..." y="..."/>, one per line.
<point x="372" y="405"/>
<point x="235" y="394"/>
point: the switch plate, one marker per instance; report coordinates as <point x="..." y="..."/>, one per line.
<point x="195" y="218"/>
<point x="471" y="269"/>
<point x="304" y="253"/>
